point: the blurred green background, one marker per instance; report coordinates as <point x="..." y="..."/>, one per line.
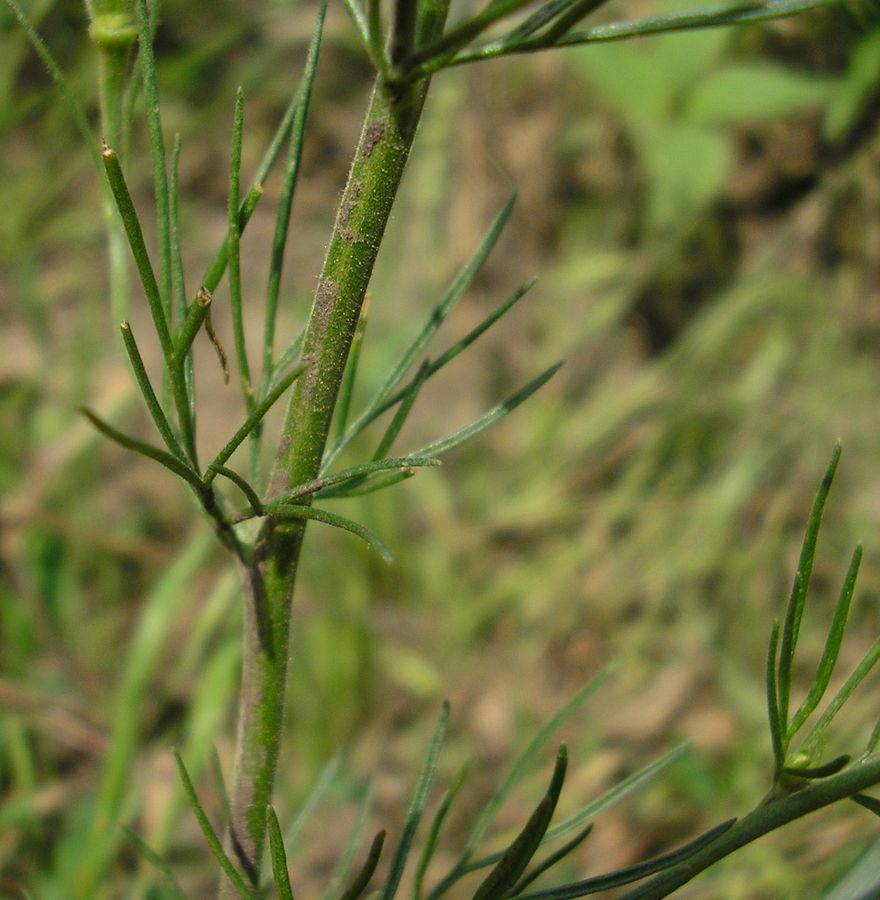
<point x="704" y="215"/>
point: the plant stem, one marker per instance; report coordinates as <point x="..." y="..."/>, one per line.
<point x="386" y="138"/>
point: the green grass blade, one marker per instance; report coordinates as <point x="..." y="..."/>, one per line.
<point x="359" y="885"/>
<point x="546" y="864"/>
<point x="251" y="423"/>
<point x="157" y="151"/>
<point x="832" y="647"/>
<point x="288" y="189"/>
<point x="210" y="835"/>
<point x="278" y="856"/>
<point x="293" y="511"/>
<point x="356" y="473"/>
<point x="632" y="873"/>
<point x="778" y="727"/>
<point x="436" y="826"/>
<point x="417" y="807"/>
<point x="234" y="251"/>
<point x="793" y="614"/>
<point x="172" y="889"/>
<point x="138" y="246"/>
<point x="346" y="858"/>
<point x="511" y="866"/>
<point x="869" y="660"/>
<point x="155" y="453"/>
<point x="519" y="769"/>
<point x="163" y="426"/>
<point x="490" y="418"/>
<point x="453" y="294"/>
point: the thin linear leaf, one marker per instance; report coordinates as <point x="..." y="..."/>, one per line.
<point x="346" y="858"/>
<point x="220" y="783"/>
<point x="136" y="242"/>
<point x="870" y="803"/>
<point x="357" y="473"/>
<point x="436" y="826"/>
<point x="453" y="294"/>
<point x="325" y="780"/>
<point x="537" y="20"/>
<point x="234" y="251"/>
<point x="874" y="739"/>
<point x="520" y="767"/>
<point x="869" y="660"/>
<point x="369" y="486"/>
<point x="450" y="353"/>
<point x="777" y="726"/>
<point x="210" y="835"/>
<point x="631" y="873"/>
<point x="795" y="610"/>
<point x="172" y="888"/>
<point x="157" y="414"/>
<point x="286" y="358"/>
<point x="517" y="857"/>
<point x="288" y="189"/>
<point x="824" y="771"/>
<point x="360" y="883"/>
<point x="832" y="646"/>
<point x="157" y="152"/>
<point x="155" y="453"/>
<point x="278" y="856"/>
<point x="360" y="21"/>
<point x="178" y="280"/>
<point x="417" y="807"/>
<point x="548" y="863"/>
<point x="243" y="485"/>
<point x="401" y="414"/>
<point x="490" y="418"/>
<point x="251" y="422"/>
<point x="196" y="317"/>
<point x="294" y="511"/>
<point x="566" y="20"/>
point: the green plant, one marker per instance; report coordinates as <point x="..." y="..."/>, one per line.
<point x="260" y="518"/>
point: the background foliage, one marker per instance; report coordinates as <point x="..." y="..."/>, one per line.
<point x="706" y="234"/>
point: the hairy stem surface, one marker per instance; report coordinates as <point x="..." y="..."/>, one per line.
<point x="386" y="138"/>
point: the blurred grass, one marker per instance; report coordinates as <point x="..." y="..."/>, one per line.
<point x="720" y="328"/>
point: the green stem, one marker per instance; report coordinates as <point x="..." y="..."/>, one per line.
<point x="387" y="135"/>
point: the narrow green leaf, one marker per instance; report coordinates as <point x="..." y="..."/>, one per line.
<point x="251" y="422"/>
<point x="824" y="771"/>
<point x="157" y="152"/>
<point x="346" y="858"/>
<point x="136" y="242"/>
<point x="178" y="281"/>
<point x="858" y="676"/>
<point x="567" y="19"/>
<point x="870" y="803"/>
<point x="490" y="418"/>
<point x="519" y="769"/>
<point x="220" y="783"/>
<point x="234" y="251"/>
<point x="356" y="473"/>
<point x="288" y="189"/>
<point x="517" y="857"/>
<point x="874" y="739"/>
<point x="285" y="360"/>
<point x="360" y="21"/>
<point x="436" y="826"/>
<point x="401" y="414"/>
<point x="163" y="426"/>
<point x="777" y="725"/>
<point x="210" y="835"/>
<point x="438" y="315"/>
<point x="632" y="873"/>
<point x="172" y="889"/>
<point x="195" y="318"/>
<point x="548" y="863"/>
<point x="417" y="807"/>
<point x="449" y="354"/>
<point x="537" y="20"/>
<point x="346" y="390"/>
<point x="243" y="485"/>
<point x="359" y="488"/>
<point x="795" y="610"/>
<point x="832" y="647"/>
<point x="148" y="450"/>
<point x="323" y="783"/>
<point x="293" y="511"/>
<point x="278" y="856"/>
<point x="360" y="883"/>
